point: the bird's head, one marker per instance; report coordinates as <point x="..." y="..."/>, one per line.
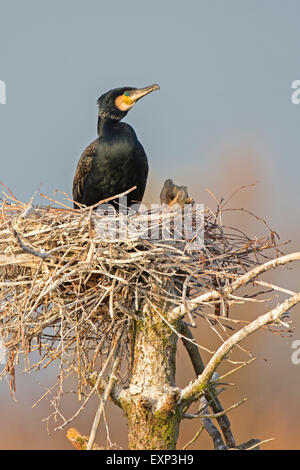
<point x="116" y="103"/>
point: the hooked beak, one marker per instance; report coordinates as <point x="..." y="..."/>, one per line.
<point x="138" y="93"/>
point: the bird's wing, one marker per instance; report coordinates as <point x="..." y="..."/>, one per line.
<point x="83" y="168"/>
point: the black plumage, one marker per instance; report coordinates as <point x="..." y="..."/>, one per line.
<point x="116" y="160"/>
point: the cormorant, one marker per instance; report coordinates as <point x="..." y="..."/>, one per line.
<point x="116" y="160"/>
<point x="173" y="194"/>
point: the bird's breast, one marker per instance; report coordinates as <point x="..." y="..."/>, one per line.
<point x="115" y="152"/>
<point x="114" y="164"/>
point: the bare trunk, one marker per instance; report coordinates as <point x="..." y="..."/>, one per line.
<point x="153" y="423"/>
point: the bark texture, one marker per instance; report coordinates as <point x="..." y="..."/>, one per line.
<point x="150" y="405"/>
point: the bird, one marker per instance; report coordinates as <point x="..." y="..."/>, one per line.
<point x="115" y="161"/>
<point x="173" y="194"/>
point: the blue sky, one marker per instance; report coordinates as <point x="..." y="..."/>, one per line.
<point x="225" y="71"/>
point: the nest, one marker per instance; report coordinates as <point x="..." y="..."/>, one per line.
<point x="66" y="289"/>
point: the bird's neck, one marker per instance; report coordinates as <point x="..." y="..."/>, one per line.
<point x="104" y="125"/>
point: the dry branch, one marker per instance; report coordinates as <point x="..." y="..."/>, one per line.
<point x="271" y="317"/>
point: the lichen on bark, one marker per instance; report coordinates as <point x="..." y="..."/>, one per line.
<point x="150" y="407"/>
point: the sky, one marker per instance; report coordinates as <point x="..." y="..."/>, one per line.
<point x="223" y="116"/>
<point x="225" y="70"/>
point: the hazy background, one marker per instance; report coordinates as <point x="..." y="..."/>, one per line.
<point x="223" y="118"/>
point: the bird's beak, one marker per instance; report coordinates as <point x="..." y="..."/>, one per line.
<point x="138" y="93"/>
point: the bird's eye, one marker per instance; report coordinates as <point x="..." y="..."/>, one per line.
<point x="126" y="98"/>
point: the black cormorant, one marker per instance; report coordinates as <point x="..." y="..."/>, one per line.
<point x="116" y="160"/>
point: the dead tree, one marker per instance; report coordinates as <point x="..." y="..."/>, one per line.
<point x="111" y="311"/>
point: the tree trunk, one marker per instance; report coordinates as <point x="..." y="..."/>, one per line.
<point x="153" y="420"/>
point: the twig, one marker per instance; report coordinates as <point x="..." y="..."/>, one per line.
<point x="27" y="249"/>
<point x="210" y="393"/>
<point x="240" y="281"/>
<point x="201" y="382"/>
<point x="213" y="431"/>
<point x="215" y="415"/>
<point x="79" y="441"/>
<point x="194" y="438"/>
<point x="112" y="379"/>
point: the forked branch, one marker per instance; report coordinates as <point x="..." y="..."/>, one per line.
<point x="198" y="385"/>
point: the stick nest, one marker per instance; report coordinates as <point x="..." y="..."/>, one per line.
<point x="65" y="291"/>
